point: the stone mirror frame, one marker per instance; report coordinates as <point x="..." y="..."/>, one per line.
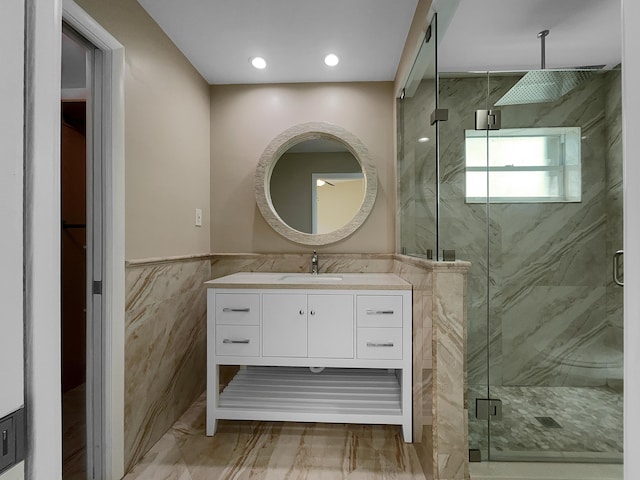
<point x="300" y="133"/>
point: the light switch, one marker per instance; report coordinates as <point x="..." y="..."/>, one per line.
<point x="198" y="217"/>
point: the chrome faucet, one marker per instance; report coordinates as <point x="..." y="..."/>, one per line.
<point x="314" y="263"/>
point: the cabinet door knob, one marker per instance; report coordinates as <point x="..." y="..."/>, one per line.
<point x="313" y="312"/>
<point x="301" y="312"/>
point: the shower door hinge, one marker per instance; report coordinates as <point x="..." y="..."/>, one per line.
<point x="475" y="455"/>
<point x="488" y="407"/>
<point x="439" y="115"/>
<point x="488" y="120"/>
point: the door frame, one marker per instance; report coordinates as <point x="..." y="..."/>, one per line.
<point x="631" y="200"/>
<point x="110" y="422"/>
<point x="42" y="236"/>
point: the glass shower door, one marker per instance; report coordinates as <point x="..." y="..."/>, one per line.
<point x="465" y="228"/>
<point x="553" y="196"/>
<point x="417" y="155"/>
<point x="536" y="206"/>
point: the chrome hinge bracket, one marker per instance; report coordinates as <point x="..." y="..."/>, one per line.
<point x="488" y="407"/>
<point x="488" y="120"/>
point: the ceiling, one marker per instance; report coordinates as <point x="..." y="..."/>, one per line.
<point x="219" y="36"/>
<point x="502" y="34"/>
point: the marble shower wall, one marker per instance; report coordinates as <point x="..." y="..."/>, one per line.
<point x="165" y="346"/>
<point x="554" y="316"/>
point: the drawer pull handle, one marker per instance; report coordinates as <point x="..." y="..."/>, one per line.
<point x="373" y="344"/>
<point x="227" y="309"/>
<point x="228" y="340"/>
<point x="380" y="312"/>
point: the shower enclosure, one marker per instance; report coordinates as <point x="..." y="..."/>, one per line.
<point x="531" y="195"/>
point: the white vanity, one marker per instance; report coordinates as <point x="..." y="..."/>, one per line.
<point x="312" y="348"/>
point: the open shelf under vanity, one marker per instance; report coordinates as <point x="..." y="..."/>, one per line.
<point x="336" y="395"/>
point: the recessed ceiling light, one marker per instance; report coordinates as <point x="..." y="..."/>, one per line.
<point x="331" y="60"/>
<point x="423" y="139"/>
<point x="258" y="62"/>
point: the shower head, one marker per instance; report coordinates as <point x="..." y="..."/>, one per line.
<point x="543" y="86"/>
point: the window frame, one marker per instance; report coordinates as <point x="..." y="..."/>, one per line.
<point x="562" y="168"/>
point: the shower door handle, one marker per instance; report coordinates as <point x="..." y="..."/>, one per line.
<point x="616" y="263"/>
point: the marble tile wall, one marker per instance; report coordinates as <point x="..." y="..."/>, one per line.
<point x="226" y="264"/>
<point x="450" y="435"/>
<point x="419" y="274"/>
<point x="165" y="347"/>
<point x="439" y="372"/>
<point x="439" y="326"/>
<point x="553" y="315"/>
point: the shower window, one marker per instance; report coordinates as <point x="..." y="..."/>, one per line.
<point x="525" y="165"/>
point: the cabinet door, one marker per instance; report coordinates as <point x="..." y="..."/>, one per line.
<point x="284" y="325"/>
<point x="330" y="326"/>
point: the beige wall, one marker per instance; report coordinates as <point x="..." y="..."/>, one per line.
<point x="245" y="118"/>
<point x="166" y="139"/>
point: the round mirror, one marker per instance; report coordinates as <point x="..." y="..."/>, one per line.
<point x="315" y="183"/>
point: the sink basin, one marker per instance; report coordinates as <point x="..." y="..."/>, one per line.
<point x="310" y="278"/>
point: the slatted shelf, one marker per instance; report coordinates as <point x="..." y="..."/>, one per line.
<point x="294" y="393"/>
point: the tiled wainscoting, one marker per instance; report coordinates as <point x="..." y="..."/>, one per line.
<point x="165" y="346"/>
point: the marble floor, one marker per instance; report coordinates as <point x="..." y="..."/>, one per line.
<point x="589" y="418"/>
<point x="74" y="434"/>
<point x="277" y="451"/>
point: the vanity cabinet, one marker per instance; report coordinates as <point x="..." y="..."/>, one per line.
<point x="310" y="352"/>
<point x="307" y="325"/>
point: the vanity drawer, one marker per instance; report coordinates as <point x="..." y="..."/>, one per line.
<point x="380" y="343"/>
<point x="241" y="341"/>
<point x="238" y="308"/>
<point x="379" y="311"/>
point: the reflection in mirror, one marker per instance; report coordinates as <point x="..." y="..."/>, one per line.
<point x="298" y="179"/>
<point x="317" y="186"/>
<point x="336" y="200"/>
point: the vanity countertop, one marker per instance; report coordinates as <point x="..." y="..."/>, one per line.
<point x="321" y="281"/>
